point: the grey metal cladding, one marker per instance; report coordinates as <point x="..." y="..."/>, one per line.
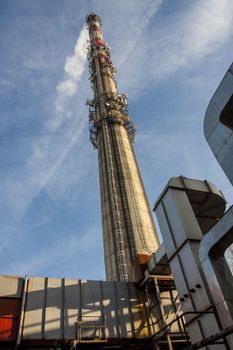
<point x="218" y="135"/>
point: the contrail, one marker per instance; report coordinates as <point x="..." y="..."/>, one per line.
<point x="42" y="163"/>
<point x="138" y="29"/>
<point x="66" y="89"/>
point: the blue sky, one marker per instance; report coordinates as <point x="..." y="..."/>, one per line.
<point x="170" y="57"/>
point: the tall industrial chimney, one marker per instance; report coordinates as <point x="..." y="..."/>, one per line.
<point x="128" y="228"/>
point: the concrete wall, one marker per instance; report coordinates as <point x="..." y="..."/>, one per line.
<point x="123" y="201"/>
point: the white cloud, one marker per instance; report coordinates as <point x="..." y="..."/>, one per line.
<point x="209" y="25"/>
<point x="144" y="54"/>
<point x="182" y="41"/>
<point x="74" y="68"/>
<point x="75" y="64"/>
<point x="58" y="137"/>
<point x="203" y="28"/>
<point x="67" y="88"/>
<point x="137" y="27"/>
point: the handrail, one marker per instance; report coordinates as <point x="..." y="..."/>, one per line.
<point x="211" y="339"/>
<point x="181" y="317"/>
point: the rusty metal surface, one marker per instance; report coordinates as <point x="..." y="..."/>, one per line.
<point x="9" y="318"/>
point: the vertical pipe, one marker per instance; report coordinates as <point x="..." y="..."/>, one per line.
<point x="22" y="312"/>
<point x="44" y="307"/>
<point x="62" y="321"/>
<point x="103" y="320"/>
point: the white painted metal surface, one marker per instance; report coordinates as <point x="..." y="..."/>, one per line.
<point x="217" y="134"/>
<point x="182" y="234"/>
<point x="216" y="269"/>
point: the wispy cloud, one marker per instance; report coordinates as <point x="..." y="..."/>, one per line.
<point x="146" y="48"/>
<point x="60" y="133"/>
<point x="67" y="88"/>
<point x="198" y="31"/>
<point x="43" y="163"/>
<point x="181" y="42"/>
<point x="209" y="25"/>
<point x="136" y="28"/>
<point x="61" y="143"/>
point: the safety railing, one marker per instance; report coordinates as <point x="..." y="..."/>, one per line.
<point x="166" y="329"/>
<point x="91" y="329"/>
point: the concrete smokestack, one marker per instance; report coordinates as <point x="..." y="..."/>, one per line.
<point x="128" y="228"/>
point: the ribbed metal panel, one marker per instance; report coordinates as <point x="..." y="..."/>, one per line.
<point x="11" y="286"/>
<point x="53" y="307"/>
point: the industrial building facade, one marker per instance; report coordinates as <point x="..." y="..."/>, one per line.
<point x="177" y="295"/>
